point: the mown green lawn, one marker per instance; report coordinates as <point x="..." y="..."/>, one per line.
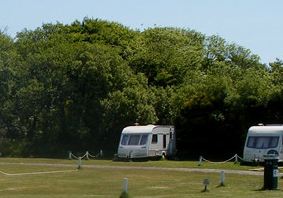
<point x="107" y="182"/>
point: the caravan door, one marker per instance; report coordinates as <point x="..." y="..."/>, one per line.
<point x="155" y="148"/>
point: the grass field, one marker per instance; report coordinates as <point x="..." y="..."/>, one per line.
<point x="59" y="178"/>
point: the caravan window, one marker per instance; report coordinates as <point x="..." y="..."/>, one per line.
<point x="129" y="139"/>
<point x="125" y="139"/>
<point x="262" y="142"/>
<point x="154" y="139"/>
<point x="134" y="140"/>
<point x="143" y="139"/>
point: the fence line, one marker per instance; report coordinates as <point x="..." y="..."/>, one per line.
<point x="86" y="156"/>
<point x="234" y="158"/>
<point x="36" y="173"/>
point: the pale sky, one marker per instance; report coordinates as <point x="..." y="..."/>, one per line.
<point x="254" y="24"/>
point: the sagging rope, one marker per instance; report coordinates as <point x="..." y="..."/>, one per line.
<point x="87" y="155"/>
<point x="36" y="173"/>
<point x="236" y="159"/>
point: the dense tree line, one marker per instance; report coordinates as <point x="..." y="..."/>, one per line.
<point x="74" y="87"/>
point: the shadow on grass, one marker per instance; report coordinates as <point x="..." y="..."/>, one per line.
<point x="263" y="189"/>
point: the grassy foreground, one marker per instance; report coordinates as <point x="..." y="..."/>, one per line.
<point x="17" y="180"/>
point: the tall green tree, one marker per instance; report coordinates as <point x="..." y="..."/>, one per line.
<point x="164" y="55"/>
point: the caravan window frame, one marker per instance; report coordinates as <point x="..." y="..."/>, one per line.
<point x="134" y="139"/>
<point x="262" y="142"/>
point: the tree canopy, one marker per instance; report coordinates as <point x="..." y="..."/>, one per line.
<point x="75" y="86"/>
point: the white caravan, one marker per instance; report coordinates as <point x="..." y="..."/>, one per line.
<point x="262" y="140"/>
<point x="147" y="141"/>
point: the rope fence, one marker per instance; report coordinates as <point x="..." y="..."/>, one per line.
<point x="236" y="158"/>
<point x="36" y="173"/>
<point x="86" y="156"/>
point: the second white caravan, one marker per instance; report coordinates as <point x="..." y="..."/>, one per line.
<point x="147" y="141"/>
<point x="263" y="140"/>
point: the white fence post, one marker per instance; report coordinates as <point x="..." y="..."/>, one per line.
<point x="87" y="155"/>
<point x="125" y="185"/>
<point x="200" y="161"/>
<point x="79" y="163"/>
<point x="236" y="159"/>
<point x="222" y="178"/>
